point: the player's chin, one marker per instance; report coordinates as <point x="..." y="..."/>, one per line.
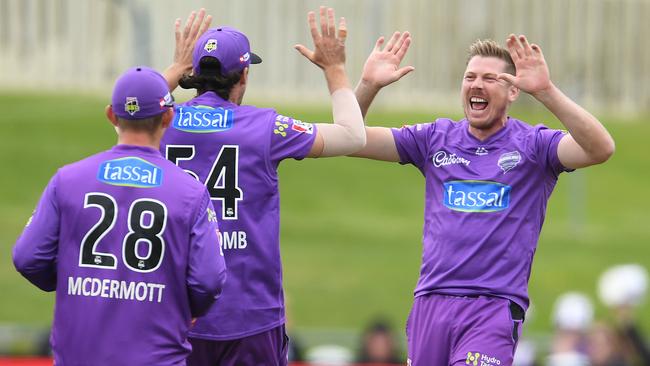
<point x="480" y="123"/>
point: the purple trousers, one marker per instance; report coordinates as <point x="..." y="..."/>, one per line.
<point x="264" y="349"/>
<point x="455" y="330"/>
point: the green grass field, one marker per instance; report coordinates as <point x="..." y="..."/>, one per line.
<point x="351" y="228"/>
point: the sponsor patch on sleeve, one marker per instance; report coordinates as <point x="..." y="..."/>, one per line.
<point x="302" y="127"/>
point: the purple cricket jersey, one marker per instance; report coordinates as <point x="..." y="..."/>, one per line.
<point x="130" y="244"/>
<point x="235" y="151"/>
<point x="485" y="204"/>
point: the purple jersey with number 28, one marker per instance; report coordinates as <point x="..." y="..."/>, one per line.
<point x="235" y="151"/>
<point x="131" y="256"/>
<point x="485" y="204"/>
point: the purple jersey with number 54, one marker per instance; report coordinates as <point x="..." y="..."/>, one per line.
<point x="235" y="151"/>
<point x="131" y="256"/>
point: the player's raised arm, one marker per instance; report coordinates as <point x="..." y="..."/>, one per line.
<point x="195" y="26"/>
<point x="588" y="142"/>
<point x="347" y="134"/>
<point x="382" y="68"/>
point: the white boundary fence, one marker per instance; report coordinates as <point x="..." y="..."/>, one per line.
<point x="597" y="49"/>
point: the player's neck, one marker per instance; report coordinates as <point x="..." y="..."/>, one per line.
<point x="138" y="139"/>
<point x="483" y="133"/>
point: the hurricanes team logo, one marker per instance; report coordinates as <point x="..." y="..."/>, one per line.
<point x="509" y="160"/>
<point x="131" y="106"/>
<point x="210" y="45"/>
<point x="472" y="358"/>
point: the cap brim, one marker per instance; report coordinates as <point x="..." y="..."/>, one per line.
<point x="255" y="59"/>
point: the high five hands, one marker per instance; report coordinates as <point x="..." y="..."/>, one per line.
<point x="382" y="66"/>
<point x="329" y="43"/>
<point x="532" y="74"/>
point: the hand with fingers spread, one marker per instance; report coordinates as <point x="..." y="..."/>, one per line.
<point x="195" y="26"/>
<point x="532" y="74"/>
<point x="329" y="47"/>
<point x="382" y="66"/>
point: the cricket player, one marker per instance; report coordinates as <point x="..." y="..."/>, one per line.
<point x="488" y="178"/>
<point x="131" y="256"/>
<point x="235" y="151"/>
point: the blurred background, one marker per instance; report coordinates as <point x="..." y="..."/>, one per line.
<point x="351" y="228"/>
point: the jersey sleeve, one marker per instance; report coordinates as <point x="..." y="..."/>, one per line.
<point x="35" y="252"/>
<point x="546" y="143"/>
<point x="206" y="273"/>
<point x="290" y="138"/>
<point x="412" y="142"/>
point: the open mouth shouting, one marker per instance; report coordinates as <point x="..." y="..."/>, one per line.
<point x="478" y="103"/>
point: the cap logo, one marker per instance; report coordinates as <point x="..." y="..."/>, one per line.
<point x="245" y="57"/>
<point x="131" y="106"/>
<point x="210" y="45"/>
<point x="166" y="101"/>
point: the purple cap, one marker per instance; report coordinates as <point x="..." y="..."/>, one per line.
<point x="228" y="45"/>
<point x="141" y="92"/>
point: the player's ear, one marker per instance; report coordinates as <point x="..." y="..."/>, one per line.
<point x="111" y="116"/>
<point x="513" y="93"/>
<point x="167" y="117"/>
<point x="243" y="80"/>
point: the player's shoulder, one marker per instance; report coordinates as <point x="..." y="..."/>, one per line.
<point x="446" y="124"/>
<point x="266" y="114"/>
<point x="86" y="164"/>
<point x="529" y="130"/>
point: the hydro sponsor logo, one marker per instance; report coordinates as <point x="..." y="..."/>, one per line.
<point x="130" y="172"/>
<point x="203" y="119"/>
<point x="476" y="196"/>
<point x="481" y="359"/>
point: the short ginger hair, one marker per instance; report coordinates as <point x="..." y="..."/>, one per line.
<point x="490" y="48"/>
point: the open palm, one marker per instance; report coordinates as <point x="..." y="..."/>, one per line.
<point x="532" y="74"/>
<point x="382" y="66"/>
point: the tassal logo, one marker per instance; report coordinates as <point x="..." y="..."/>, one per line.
<point x="130" y="171"/>
<point x="202" y="119"/>
<point x="476" y="196"/>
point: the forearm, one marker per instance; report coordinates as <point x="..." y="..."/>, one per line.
<point x="347" y="134"/>
<point x="585" y="129"/>
<point x="173" y="75"/>
<point x="365" y="94"/>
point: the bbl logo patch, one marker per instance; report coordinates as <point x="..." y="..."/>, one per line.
<point x="509" y="160"/>
<point x="211" y="45"/>
<point x="302" y="127"/>
<point x="167" y="101"/>
<point x="131" y="106"/>
<point x="245" y="57"/>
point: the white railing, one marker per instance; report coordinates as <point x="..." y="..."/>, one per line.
<point x="596" y="49"/>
